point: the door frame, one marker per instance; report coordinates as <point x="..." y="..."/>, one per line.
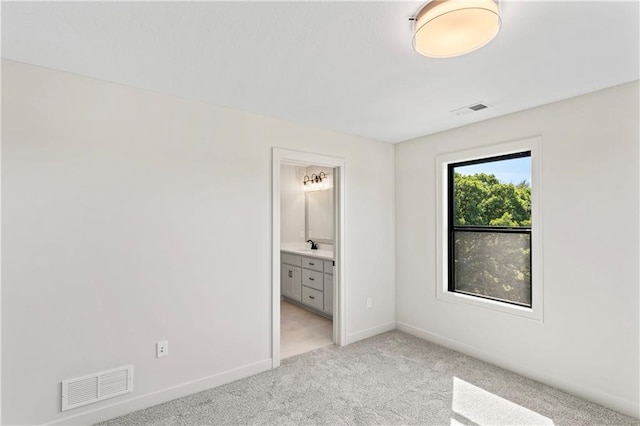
<point x="285" y="156"/>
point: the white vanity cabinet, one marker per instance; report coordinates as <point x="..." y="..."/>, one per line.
<point x="308" y="280"/>
<point x="291" y="276"/>
<point x="328" y="286"/>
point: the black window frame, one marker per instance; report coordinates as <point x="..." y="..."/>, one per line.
<point x="452" y="228"/>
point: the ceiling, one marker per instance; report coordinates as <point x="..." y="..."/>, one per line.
<point x="345" y="66"/>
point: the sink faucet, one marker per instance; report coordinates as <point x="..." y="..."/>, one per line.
<point x="314" y="245"/>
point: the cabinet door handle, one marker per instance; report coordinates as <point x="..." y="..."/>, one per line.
<point x="311" y="263"/>
<point x="311" y="297"/>
<point x="311" y="279"/>
<point x="290" y="273"/>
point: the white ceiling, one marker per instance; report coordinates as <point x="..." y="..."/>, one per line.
<point x="345" y="66"/>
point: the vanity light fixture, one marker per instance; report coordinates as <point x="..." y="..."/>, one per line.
<point x="447" y="28"/>
<point x="317" y="182"/>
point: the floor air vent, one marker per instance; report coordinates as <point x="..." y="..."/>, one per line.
<point x="96" y="387"/>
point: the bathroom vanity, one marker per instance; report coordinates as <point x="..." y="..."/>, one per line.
<point x="307" y="279"/>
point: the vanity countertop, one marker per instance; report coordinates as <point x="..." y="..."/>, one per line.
<point x="321" y="254"/>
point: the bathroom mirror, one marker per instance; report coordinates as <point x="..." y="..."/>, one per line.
<point x="319" y="216"/>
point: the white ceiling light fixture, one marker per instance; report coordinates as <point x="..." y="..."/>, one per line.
<point x="447" y="28"/>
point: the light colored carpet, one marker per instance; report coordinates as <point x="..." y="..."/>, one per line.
<point x="390" y="379"/>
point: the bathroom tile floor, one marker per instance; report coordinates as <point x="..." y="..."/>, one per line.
<point x="302" y="331"/>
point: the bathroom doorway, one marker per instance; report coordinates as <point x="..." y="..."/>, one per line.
<point x="307" y="228"/>
<point x="308" y="253"/>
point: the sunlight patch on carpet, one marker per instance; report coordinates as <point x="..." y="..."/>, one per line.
<point x="484" y="408"/>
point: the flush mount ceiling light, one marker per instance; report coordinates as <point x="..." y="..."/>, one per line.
<point x="446" y="28"/>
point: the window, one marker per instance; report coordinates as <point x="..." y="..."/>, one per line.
<point x="489" y="245"/>
<point x="490" y="228"/>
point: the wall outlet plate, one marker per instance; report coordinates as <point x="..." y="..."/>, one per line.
<point x="162" y="349"/>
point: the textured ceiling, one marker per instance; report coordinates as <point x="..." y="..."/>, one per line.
<point x="345" y="66"/>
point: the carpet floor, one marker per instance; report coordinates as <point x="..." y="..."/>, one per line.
<point x="390" y="379"/>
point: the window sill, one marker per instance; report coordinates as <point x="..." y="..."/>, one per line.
<point x="507" y="308"/>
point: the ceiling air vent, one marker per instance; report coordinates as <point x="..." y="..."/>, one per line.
<point x="96" y="387"/>
<point x="478" y="107"/>
<point x="470" y="108"/>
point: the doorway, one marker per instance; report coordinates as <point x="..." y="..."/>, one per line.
<point x="289" y="258"/>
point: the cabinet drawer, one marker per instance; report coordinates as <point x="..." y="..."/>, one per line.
<point x="291" y="259"/>
<point x="313" y="298"/>
<point x="328" y="267"/>
<point x="312" y="279"/>
<point x="311" y="263"/>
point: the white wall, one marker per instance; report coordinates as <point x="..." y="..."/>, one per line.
<point x="588" y="342"/>
<point x="292" y="204"/>
<point x="131" y="217"/>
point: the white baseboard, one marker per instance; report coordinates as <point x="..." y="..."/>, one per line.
<point x="153" y="398"/>
<point x="625" y="406"/>
<point x="370" y="332"/>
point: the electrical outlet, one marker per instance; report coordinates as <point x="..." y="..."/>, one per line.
<point x="162" y="349"/>
<point x="369" y="302"/>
